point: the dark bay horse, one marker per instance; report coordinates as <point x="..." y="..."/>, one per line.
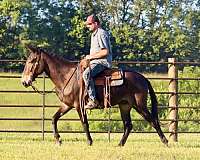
<point x="64" y="75"/>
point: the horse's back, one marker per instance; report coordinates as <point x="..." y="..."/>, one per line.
<point x="132" y="83"/>
<point x="119" y="76"/>
<point x="118" y="73"/>
<point x="136" y="79"/>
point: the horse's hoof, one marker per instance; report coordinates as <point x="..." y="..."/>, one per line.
<point x="165" y="141"/>
<point x="89" y="143"/>
<point x="58" y="142"/>
<point x="120" y="145"/>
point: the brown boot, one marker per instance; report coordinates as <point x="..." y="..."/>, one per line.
<point x="92" y="104"/>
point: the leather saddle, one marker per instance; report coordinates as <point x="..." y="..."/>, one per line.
<point x="114" y="76"/>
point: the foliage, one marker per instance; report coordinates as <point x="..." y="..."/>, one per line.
<point x="10" y="28"/>
<point x="141" y="29"/>
<point x="194" y="100"/>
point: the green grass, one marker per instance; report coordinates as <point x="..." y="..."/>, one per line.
<point x="74" y="147"/>
<point x="10" y="84"/>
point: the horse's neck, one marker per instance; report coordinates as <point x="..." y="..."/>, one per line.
<point x="57" y="70"/>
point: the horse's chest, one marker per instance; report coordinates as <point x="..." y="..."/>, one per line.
<point x="67" y="95"/>
<point x="63" y="93"/>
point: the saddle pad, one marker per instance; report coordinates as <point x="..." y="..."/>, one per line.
<point x="116" y="77"/>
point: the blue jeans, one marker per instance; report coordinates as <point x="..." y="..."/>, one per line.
<point x="88" y="77"/>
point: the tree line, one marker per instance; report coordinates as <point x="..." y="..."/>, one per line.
<point x="143" y="30"/>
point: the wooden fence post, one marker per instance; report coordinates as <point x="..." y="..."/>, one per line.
<point x="173" y="99"/>
<point x="43" y="106"/>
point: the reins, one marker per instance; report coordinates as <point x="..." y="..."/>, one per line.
<point x="36" y="90"/>
<point x="82" y="93"/>
<point x="43" y="93"/>
<point x="68" y="82"/>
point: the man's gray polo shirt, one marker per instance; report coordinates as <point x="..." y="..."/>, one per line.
<point x="100" y="39"/>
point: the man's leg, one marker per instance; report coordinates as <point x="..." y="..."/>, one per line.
<point x="88" y="76"/>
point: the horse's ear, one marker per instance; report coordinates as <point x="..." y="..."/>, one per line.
<point x="31" y="48"/>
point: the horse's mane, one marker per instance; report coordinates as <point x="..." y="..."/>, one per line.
<point x="55" y="56"/>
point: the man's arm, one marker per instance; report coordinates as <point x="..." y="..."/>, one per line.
<point x="101" y="54"/>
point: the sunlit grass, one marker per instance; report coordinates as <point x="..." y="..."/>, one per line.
<point x="74" y="147"/>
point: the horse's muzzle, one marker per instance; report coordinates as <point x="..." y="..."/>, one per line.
<point x="27" y="80"/>
<point x="26" y="84"/>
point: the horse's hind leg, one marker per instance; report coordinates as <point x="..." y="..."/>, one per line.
<point x="141" y="108"/>
<point x="125" y="115"/>
<point x="155" y="124"/>
<point x="61" y="111"/>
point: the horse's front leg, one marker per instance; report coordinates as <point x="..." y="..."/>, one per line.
<point x="61" y="111"/>
<point x="85" y="124"/>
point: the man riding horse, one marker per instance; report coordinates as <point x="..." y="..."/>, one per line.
<point x="133" y="91"/>
<point x="100" y="58"/>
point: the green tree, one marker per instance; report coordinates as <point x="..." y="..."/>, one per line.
<point x="10" y="16"/>
<point x="141" y="29"/>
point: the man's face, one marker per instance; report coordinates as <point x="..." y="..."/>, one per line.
<point x="92" y="26"/>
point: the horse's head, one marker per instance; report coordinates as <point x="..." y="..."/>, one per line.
<point x="33" y="67"/>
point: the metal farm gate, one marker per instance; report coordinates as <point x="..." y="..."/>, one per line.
<point x="172" y="106"/>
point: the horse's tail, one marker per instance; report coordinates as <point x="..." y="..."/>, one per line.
<point x="154" y="102"/>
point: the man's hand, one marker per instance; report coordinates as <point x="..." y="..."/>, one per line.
<point x="88" y="57"/>
<point x="84" y="63"/>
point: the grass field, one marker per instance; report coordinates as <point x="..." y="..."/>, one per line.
<point x="18" y="146"/>
<point x="138" y="147"/>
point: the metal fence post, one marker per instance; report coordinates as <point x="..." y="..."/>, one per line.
<point x="43" y="106"/>
<point x="173" y="99"/>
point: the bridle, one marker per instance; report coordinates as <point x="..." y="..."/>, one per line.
<point x="35" y="66"/>
<point x="32" y="70"/>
